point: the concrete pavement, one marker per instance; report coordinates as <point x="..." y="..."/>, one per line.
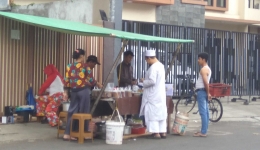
<point x="239" y="127"/>
<point x="222" y="136"/>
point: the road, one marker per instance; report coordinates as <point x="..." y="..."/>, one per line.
<point x="221" y="136"/>
<point x="238" y="129"/>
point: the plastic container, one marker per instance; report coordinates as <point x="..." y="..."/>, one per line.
<point x="122" y="92"/>
<point x="110" y="86"/>
<point x="135" y="88"/>
<point x="180" y="124"/>
<point x="127" y="130"/>
<point x="25" y="114"/>
<point x="219" y="89"/>
<point x="114" y="132"/>
<point x="107" y="94"/>
<point x="95" y="92"/>
<point x="140" y="130"/>
<point x="65" y="106"/>
<point x="128" y="91"/>
<point x="116" y="93"/>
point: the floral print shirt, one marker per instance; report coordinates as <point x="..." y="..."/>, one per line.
<point x="79" y="75"/>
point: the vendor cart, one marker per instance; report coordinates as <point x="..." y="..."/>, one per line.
<point x="130" y="105"/>
<point x="77" y="28"/>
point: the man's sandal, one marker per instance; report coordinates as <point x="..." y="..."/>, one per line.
<point x="198" y="134"/>
<point x="163" y="136"/>
<point x="153" y="136"/>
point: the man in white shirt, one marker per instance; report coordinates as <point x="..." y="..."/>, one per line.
<point x="153" y="106"/>
<point x="203" y="95"/>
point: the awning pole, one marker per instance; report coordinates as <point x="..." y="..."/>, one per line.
<point x="111" y="71"/>
<point x="175" y="54"/>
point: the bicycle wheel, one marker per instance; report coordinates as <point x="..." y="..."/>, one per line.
<point x="185" y="104"/>
<point x="215" y="110"/>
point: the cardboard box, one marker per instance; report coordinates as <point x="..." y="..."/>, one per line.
<point x="18" y="119"/>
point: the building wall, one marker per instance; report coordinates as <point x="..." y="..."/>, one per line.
<point x="76" y="10"/>
<point x="254" y="29"/>
<point x="86" y="11"/>
<point x="28" y="2"/>
<point x="235" y="10"/>
<point x="15" y="60"/>
<point x="139" y="12"/>
<point x="226" y="27"/>
<point x="97" y="5"/>
<point x="23" y="60"/>
<point x="238" y="10"/>
<point x="181" y="14"/>
<point x="250" y="13"/>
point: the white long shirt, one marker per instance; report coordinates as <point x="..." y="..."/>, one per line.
<point x="56" y="86"/>
<point x="154" y="95"/>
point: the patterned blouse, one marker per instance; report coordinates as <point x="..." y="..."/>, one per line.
<point x="79" y="75"/>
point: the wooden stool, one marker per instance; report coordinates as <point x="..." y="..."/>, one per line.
<point x="64" y="115"/>
<point x="81" y="134"/>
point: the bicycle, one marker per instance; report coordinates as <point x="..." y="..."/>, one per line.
<point x="187" y="102"/>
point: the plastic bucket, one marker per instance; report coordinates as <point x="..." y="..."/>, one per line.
<point x="180" y="124"/>
<point x="114" y="132"/>
<point x="65" y="106"/>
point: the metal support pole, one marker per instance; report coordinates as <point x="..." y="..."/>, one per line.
<point x="111" y="71"/>
<point x="173" y="59"/>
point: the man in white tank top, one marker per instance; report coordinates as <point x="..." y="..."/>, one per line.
<point x="203" y="95"/>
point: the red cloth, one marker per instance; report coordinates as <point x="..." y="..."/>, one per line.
<point x="51" y="73"/>
<point x="48" y="106"/>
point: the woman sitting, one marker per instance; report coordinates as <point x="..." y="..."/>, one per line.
<point x="51" y="94"/>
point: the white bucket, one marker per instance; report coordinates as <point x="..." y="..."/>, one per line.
<point x="180" y="124"/>
<point x="114" y="132"/>
<point x="65" y="106"/>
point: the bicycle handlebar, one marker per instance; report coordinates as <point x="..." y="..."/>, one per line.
<point x="188" y="76"/>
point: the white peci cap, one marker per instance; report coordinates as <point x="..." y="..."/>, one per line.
<point x="150" y="53"/>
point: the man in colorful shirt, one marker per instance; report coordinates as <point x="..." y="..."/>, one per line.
<point x="79" y="80"/>
<point x="85" y="74"/>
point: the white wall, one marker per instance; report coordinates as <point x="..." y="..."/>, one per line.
<point x="251" y="13"/>
<point x="238" y="9"/>
<point x="27" y="2"/>
<point x="226" y="27"/>
<point x="75" y="10"/>
<point x="139" y="12"/>
<point x="97" y="5"/>
<point x="234" y="10"/>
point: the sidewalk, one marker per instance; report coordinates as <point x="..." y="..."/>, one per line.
<point x="233" y="111"/>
